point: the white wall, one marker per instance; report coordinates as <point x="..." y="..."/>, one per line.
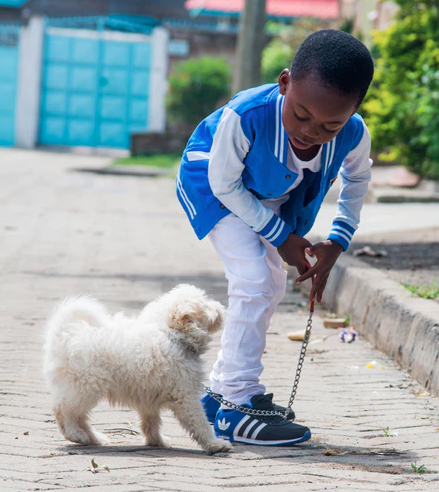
<point x="29" y="83"/>
<point x="159" y="84"/>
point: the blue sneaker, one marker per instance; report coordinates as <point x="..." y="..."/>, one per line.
<point x="236" y="426"/>
<point x="211" y="407"/>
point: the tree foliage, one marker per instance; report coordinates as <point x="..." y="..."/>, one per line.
<point x="196" y="87"/>
<point x="402" y="107"/>
<point x="279" y="52"/>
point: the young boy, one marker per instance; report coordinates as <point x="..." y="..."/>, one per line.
<point x="252" y="178"/>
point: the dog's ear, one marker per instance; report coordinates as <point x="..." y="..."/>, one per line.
<point x="184" y="316"/>
<point x="217" y="315"/>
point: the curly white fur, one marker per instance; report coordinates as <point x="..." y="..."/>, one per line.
<point x="147" y="363"/>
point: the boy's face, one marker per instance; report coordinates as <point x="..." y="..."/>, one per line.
<point x="313" y="113"/>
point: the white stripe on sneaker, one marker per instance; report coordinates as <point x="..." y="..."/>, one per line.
<point x="240" y="424"/>
<point x="257" y="431"/>
<point x="250" y="427"/>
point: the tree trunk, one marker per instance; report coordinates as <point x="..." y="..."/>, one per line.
<point x="251" y="41"/>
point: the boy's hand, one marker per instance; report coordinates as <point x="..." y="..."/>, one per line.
<point x="327" y="253"/>
<point x="292" y="251"/>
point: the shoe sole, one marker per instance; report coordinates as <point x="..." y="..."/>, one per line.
<point x="246" y="440"/>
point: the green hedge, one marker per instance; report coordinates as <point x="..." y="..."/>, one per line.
<point x="196" y="87"/>
<point x="402" y="107"/>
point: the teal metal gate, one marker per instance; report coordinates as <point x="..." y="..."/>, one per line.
<point x="96" y="82"/>
<point x="9" y="43"/>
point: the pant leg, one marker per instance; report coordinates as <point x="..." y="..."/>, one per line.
<point x="256" y="284"/>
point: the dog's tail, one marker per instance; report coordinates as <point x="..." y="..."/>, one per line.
<point x="72" y="315"/>
<point x="78" y="309"/>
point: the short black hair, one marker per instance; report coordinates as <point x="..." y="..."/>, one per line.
<point x="338" y="59"/>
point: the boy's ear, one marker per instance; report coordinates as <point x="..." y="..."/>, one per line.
<point x="284" y="80"/>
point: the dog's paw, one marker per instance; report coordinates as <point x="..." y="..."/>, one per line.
<point x="100" y="438"/>
<point x="218" y="446"/>
<point x="162" y="442"/>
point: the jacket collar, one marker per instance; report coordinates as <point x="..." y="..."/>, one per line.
<point x="279" y="140"/>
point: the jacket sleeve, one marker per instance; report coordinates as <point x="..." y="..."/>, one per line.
<point x="355" y="175"/>
<point x="231" y="144"/>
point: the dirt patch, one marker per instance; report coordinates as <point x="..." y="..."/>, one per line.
<point x="411" y="258"/>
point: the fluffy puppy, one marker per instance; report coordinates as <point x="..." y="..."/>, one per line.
<point x="146" y="363"/>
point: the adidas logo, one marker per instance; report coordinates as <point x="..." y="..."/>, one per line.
<point x="222" y="425"/>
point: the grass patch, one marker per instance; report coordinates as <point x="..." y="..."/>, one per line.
<point x="426" y="291"/>
<point x="165" y="161"/>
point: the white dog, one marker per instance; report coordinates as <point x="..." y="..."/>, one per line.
<point x="147" y="363"/>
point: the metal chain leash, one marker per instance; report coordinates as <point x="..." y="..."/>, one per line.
<point x="273" y="413"/>
<point x="301" y="359"/>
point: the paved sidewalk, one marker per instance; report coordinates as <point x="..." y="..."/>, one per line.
<point x="125" y="240"/>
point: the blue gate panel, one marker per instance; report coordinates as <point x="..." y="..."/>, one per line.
<point x="138" y="112"/>
<point x="113" y="108"/>
<point x="114" y="81"/>
<point x="70" y="79"/>
<point x="57" y="49"/>
<point x="80" y="132"/>
<point x="52" y="129"/>
<point x="8" y="92"/>
<point x="54" y="104"/>
<point x="95" y="90"/>
<point x="56" y="77"/>
<point x="84" y="79"/>
<point x="142" y="55"/>
<point x="117" y="53"/>
<point x="85" y="51"/>
<point x="140" y="83"/>
<point x="112" y="134"/>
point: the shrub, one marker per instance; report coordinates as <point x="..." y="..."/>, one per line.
<point x="195" y="88"/>
<point x="402" y="105"/>
<point x="276" y="56"/>
<point x="279" y="52"/>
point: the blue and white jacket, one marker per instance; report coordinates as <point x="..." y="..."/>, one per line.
<point x="237" y="157"/>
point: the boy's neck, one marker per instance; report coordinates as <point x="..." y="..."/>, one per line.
<point x="306" y="155"/>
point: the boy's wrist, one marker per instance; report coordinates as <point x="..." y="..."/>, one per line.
<point x="276" y="231"/>
<point x="337" y="245"/>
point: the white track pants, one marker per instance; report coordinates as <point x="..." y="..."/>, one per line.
<point x="256" y="285"/>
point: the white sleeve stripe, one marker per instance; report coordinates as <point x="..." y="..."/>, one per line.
<point x="338" y="228"/>
<point x="196" y="155"/>
<point x="257" y="431"/>
<point x="337" y="233"/>
<point x="273" y="230"/>
<point x="186" y="200"/>
<point x="277" y="235"/>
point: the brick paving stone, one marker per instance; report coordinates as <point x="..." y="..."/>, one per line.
<point x="126" y="241"/>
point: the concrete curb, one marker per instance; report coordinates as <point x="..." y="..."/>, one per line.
<point x="388" y="316"/>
